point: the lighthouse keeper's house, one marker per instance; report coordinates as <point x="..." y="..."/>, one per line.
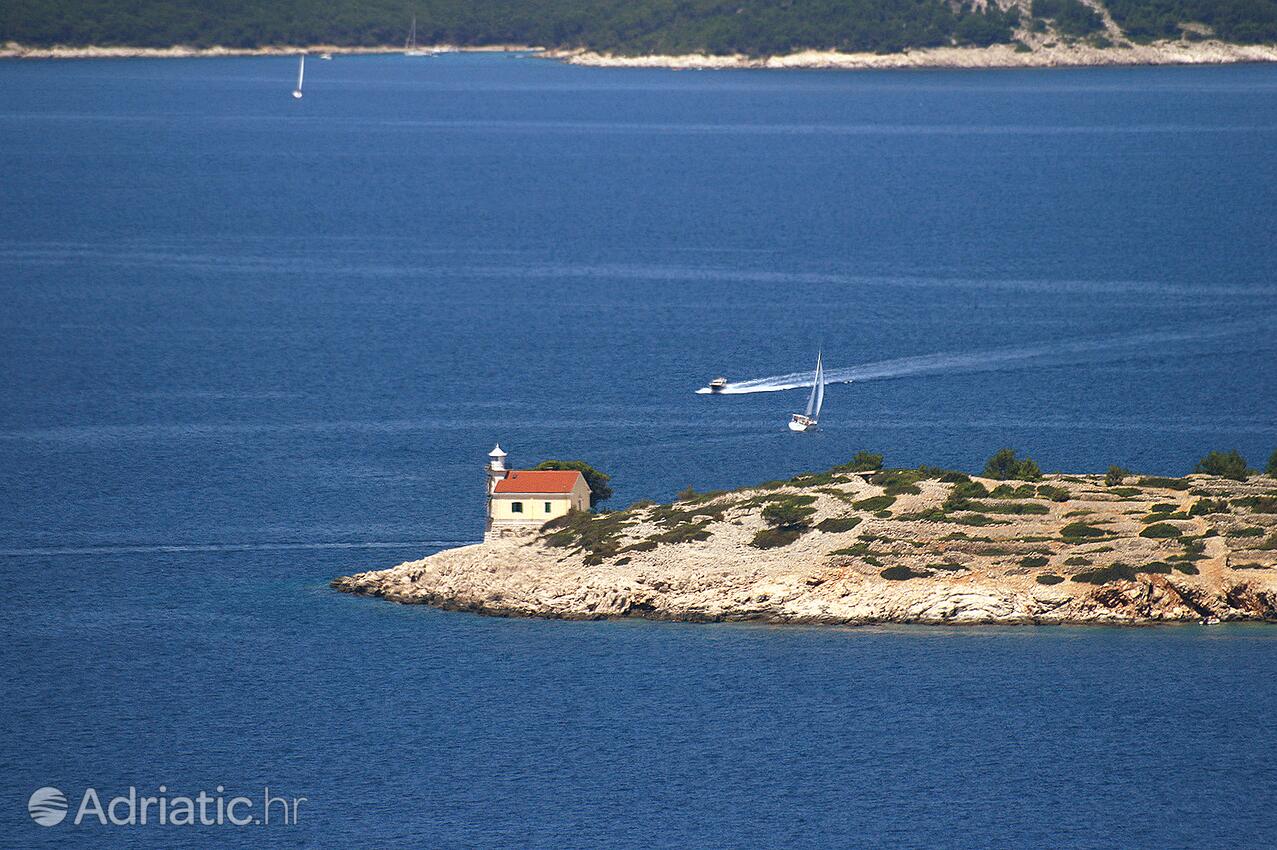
<point x="521" y="500"/>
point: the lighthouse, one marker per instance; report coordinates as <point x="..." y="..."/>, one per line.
<point x="496" y="467"/>
<point x="520" y="501"/>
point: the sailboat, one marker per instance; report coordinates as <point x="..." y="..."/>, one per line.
<point x="410" y="46"/>
<point x="301" y="72"/>
<point x="803" y="421"/>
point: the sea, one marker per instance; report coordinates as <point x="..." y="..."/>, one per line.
<point x="249" y="343"/>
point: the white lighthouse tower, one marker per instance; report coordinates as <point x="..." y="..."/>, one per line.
<point x="494" y="472"/>
<point x="496" y="467"/>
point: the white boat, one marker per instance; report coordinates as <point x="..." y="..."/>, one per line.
<point x="327" y="57"/>
<point x="716" y="385"/>
<point x="803" y="421"/>
<point x="410" y="47"/>
<point x="301" y="72"/>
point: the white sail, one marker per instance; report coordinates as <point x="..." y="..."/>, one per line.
<point x="817" y="397"/>
<point x="819" y="388"/>
<point x="301" y="72"/>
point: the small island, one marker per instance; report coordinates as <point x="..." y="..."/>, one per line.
<point x="861" y="544"/>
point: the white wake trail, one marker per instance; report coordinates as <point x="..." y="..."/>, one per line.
<point x="1059" y="353"/>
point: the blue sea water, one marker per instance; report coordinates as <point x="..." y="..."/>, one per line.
<point x="251" y="343"/>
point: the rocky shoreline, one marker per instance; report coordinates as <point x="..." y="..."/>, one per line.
<point x="1076" y="55"/>
<point x="900" y="546"/>
<point x="1044" y="55"/>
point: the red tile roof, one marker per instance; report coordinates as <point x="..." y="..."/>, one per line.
<point x="539" y="481"/>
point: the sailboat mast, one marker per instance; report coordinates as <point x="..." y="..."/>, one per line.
<point x="301" y="71"/>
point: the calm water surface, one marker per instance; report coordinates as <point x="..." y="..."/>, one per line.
<point x="250" y="343"/>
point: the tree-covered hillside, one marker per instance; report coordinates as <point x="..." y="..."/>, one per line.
<point x="1242" y="21"/>
<point x="754" y="27"/>
<point x="633" y="26"/>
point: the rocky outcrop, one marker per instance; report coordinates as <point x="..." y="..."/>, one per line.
<point x="1068" y="549"/>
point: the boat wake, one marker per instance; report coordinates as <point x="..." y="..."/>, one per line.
<point x="1095" y="349"/>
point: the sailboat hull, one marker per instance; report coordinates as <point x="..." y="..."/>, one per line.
<point x="801" y="423"/>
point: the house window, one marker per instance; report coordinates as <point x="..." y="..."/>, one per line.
<point x="547" y="507"/>
<point x="516" y="507"/>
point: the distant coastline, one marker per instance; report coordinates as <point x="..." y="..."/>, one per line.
<point x="1076" y="55"/>
<point x="12" y="50"/>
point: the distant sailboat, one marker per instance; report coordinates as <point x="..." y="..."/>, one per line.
<point x="803" y="421"/>
<point x="410" y="46"/>
<point x="301" y="73"/>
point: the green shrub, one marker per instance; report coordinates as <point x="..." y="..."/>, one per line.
<point x="1116" y="475"/>
<point x="598" y="536"/>
<point x="1164" y="507"/>
<point x="1081" y="531"/>
<point x="1163" y="517"/>
<point x="620" y="562"/>
<point x="1005" y="465"/>
<point x="1126" y="492"/>
<point x="787" y="513"/>
<point x="874" y="503"/>
<point x="1187" y="569"/>
<point x="1055" y="494"/>
<point x="945" y="476"/>
<point x="641" y="503"/>
<point x="1077" y="561"/>
<point x="686" y="494"/>
<point x="862" y="462"/>
<point x="1161" y="530"/>
<point x="1252" y="531"/>
<point x="813" y="479"/>
<point x="1225" y="465"/>
<point x="687" y="532"/>
<point x="1165" y="483"/>
<point x="1034" y="561"/>
<point x="901" y="573"/>
<point x="1072" y="17"/>
<point x="1271" y="469"/>
<point x="1254" y="566"/>
<point x="1203" y="507"/>
<point x="857" y="549"/>
<point x="883" y="514"/>
<point x="771" y="538"/>
<point x="837" y="525"/>
<point x="641" y="546"/>
<point x="1048" y="578"/>
<point x="899" y="480"/>
<point x="968" y="490"/>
